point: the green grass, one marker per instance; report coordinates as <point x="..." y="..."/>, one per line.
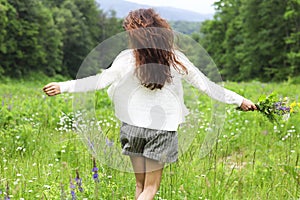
<point x="253" y="159"/>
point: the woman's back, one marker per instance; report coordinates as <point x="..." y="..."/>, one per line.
<point x="138" y="105"/>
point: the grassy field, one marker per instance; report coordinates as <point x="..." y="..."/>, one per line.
<point x="40" y="154"/>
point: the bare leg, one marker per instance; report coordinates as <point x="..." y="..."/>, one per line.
<point x="138" y="164"/>
<point x="152" y="179"/>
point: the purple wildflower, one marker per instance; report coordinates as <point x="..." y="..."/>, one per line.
<point x="286" y="109"/>
<point x="72" y="187"/>
<point x="280" y="109"/>
<point x="95" y="176"/>
<point x="277" y="105"/>
<point x="78" y="181"/>
<point x="95" y="170"/>
<point x="73" y="194"/>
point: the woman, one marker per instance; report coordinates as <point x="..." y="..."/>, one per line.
<point x="149" y="74"/>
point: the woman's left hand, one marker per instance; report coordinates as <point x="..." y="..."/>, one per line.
<point x="248" y="105"/>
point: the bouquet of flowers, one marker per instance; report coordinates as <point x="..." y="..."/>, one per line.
<point x="275" y="108"/>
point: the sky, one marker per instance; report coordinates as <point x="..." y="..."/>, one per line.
<point x="201" y="6"/>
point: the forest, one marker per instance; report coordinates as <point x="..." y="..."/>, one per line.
<point x="51" y="36"/>
<point x="253" y="39"/>
<point x="247" y="39"/>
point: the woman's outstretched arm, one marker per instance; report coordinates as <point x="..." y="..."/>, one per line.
<point x="91" y="83"/>
<point x="213" y="90"/>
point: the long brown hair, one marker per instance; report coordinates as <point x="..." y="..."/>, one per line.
<point x="152" y="39"/>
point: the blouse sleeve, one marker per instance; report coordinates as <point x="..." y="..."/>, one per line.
<point x="196" y="78"/>
<point x="99" y="81"/>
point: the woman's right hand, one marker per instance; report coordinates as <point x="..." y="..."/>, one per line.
<point x="52" y="89"/>
<point x="248" y="105"/>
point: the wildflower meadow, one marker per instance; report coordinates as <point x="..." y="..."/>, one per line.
<point x="254" y="157"/>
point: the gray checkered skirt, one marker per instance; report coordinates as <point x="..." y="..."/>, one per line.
<point x="159" y="145"/>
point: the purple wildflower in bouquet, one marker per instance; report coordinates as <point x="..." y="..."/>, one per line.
<point x="276" y="109"/>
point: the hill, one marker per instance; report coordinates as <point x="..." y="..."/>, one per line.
<point x="172" y="14"/>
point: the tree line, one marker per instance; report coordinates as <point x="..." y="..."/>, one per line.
<point x="50" y="36"/>
<point x="247" y="39"/>
<point x="254" y="39"/>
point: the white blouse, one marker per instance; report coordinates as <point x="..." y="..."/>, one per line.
<point x="139" y="106"/>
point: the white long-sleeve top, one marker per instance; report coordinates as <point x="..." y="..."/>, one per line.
<point x="139" y="106"/>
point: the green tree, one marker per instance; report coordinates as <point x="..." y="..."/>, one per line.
<point x="6" y="44"/>
<point x="110" y="25"/>
<point x="292" y="18"/>
<point x="247" y="39"/>
<point x="30" y="35"/>
<point x="215" y="36"/>
<point x="76" y="41"/>
<point x="213" y="31"/>
<point x="233" y="39"/>
<point x="83" y="27"/>
<point x="264" y="46"/>
<point x="51" y="36"/>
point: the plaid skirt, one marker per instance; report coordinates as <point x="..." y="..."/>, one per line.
<point x="159" y="145"/>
